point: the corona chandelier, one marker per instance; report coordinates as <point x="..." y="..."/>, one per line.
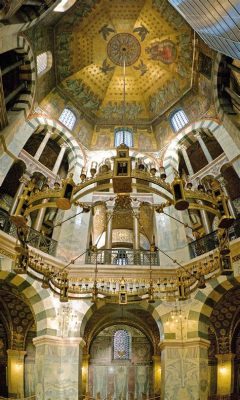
<point x="124" y="175"/>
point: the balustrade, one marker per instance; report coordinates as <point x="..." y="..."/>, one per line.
<point x="211" y="242"/>
<point x="122" y="257"/>
<point x="34" y="238"/>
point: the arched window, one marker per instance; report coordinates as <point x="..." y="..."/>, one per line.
<point x="123" y="136"/>
<point x="178" y="120"/>
<point x="68" y="118"/>
<point x="44" y="62"/>
<point x="121" y="345"/>
<point x="64" y="5"/>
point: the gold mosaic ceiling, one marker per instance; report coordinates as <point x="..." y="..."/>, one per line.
<point x="90" y="41"/>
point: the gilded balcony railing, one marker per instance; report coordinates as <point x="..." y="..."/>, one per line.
<point x="34" y="238"/>
<point x="122" y="257"/>
<point x="210" y="242"/>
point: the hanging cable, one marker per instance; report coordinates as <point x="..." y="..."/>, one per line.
<point x="80" y="255"/>
<point x="161" y="251"/>
<point x="124" y="95"/>
<point x="178" y="220"/>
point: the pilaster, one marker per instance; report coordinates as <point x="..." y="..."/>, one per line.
<point x="15" y="374"/>
<point x="184" y="366"/>
<point x="58" y="367"/>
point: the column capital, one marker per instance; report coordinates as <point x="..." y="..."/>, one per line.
<point x="13" y="353"/>
<point x="221" y="180"/>
<point x="182" y="147"/>
<point x="86" y="357"/>
<point x="109" y="211"/>
<point x="156" y="357"/>
<point x="136" y="211"/>
<point x="187" y="343"/>
<point x="26" y="177"/>
<point x="225" y="357"/>
<point x="58" y="341"/>
<point x="198" y="135"/>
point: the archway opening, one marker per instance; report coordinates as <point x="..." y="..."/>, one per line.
<point x="121" y="364"/>
<point x="121" y="359"/>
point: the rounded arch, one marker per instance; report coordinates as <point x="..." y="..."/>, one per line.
<point x="22" y="100"/>
<point x="25" y="101"/>
<point x="39" y="300"/>
<point x="143" y="317"/>
<point x="199" y="315"/>
<point x="37" y="123"/>
<point x="171" y="157"/>
<point x="76" y="156"/>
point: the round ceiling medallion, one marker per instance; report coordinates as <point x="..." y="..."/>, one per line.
<point x="123" y="45"/>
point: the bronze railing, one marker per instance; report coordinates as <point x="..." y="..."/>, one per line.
<point x="210" y="241"/>
<point x="122" y="257"/>
<point x="34" y="238"/>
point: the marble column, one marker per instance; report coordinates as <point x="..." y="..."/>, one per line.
<point x="204" y="147"/>
<point x="157" y="374"/>
<point x="108" y="242"/>
<point x="3" y="111"/>
<point x="236" y="166"/>
<point x="15" y="92"/>
<point x="225" y="191"/>
<point x="15" y="373"/>
<point x="42" y="211"/>
<point x="58" y="365"/>
<point x="40" y="216"/>
<point x="136" y="237"/>
<point x="9" y="68"/>
<point x="234" y="68"/>
<point x="42" y="145"/>
<point x="184" y="369"/>
<point x="205" y="219"/>
<point x="235" y="97"/>
<point x="187" y="160"/>
<point x="59" y="159"/>
<point x="225" y="374"/>
<point x="25" y="178"/>
<point x="85" y="367"/>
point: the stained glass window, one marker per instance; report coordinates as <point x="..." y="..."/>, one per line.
<point x="68" y="118"/>
<point x="178" y="120"/>
<point x="123" y="136"/>
<point x="121" y="345"/>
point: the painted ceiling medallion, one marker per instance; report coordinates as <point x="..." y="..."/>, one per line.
<point x="123" y="45"/>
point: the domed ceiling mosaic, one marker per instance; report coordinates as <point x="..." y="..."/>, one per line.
<point x="93" y="39"/>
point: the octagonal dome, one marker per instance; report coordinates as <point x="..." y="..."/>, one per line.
<point x="94" y="37"/>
